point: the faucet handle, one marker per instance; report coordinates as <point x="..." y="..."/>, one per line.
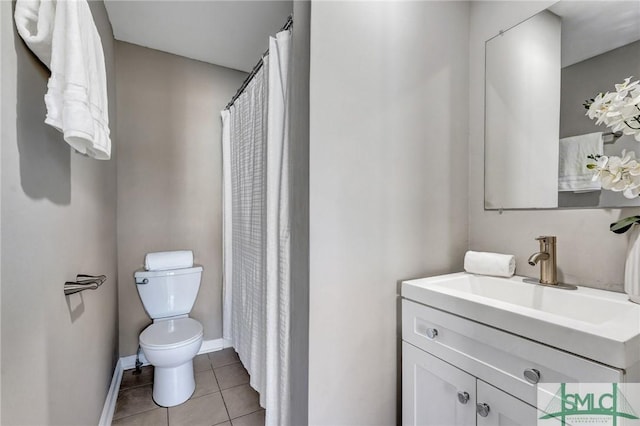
<point x="547" y="238"/>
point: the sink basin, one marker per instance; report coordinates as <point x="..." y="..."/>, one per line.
<point x="581" y="306"/>
<point x="601" y="325"/>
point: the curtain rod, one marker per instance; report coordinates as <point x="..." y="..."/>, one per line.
<point x="257" y="67"/>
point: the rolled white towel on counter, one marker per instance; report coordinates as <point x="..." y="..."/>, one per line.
<point x="485" y="263"/>
<point x="163" y="260"/>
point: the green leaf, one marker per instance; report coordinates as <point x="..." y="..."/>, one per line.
<point x="623" y="225"/>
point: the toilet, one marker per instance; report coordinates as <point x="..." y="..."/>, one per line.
<point x="174" y="339"/>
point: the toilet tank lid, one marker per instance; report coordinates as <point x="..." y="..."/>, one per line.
<point x="142" y="273"/>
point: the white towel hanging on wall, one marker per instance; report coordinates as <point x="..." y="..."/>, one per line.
<point x="63" y="35"/>
<point x="573" y="174"/>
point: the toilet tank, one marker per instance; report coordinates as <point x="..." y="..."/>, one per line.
<point x="168" y="293"/>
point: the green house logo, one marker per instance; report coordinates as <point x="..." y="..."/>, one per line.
<point x="604" y="407"/>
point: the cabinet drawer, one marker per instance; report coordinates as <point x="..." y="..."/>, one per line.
<point x="495" y="356"/>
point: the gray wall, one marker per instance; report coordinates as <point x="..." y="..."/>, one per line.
<point x="585" y="80"/>
<point x="388" y="188"/>
<point x="58" y="219"/>
<point x="588" y="253"/>
<point x="299" y="159"/>
<point x="169" y="174"/>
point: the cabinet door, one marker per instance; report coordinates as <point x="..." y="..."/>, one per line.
<point x="503" y="409"/>
<point x="430" y="390"/>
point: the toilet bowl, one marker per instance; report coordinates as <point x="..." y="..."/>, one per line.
<point x="174" y="339"/>
<point x="170" y="346"/>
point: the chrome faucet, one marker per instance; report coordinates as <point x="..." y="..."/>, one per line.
<point x="547" y="259"/>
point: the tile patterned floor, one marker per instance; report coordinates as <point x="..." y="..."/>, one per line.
<point x="222" y="397"/>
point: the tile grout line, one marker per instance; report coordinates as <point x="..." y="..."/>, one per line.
<point x="227" y="365"/>
<point x="248" y="414"/>
<point x="216" y="379"/>
<point x="225" y="406"/>
<point x="237" y="386"/>
<point x="220" y="390"/>
<point x="133" y="387"/>
<point x="140" y="412"/>
<point x="241" y="384"/>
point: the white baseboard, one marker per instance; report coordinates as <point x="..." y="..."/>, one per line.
<point x="129" y="362"/>
<point x="214" y="345"/>
<point x="112" y="396"/>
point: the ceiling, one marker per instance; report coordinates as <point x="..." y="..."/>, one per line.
<point x="590" y="28"/>
<point x="230" y="33"/>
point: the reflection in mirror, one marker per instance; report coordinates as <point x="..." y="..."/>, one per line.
<point x="522" y="115"/>
<point x="537" y="134"/>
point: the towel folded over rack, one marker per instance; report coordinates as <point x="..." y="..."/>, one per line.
<point x="163" y="260"/>
<point x="64" y="36"/>
<point x="485" y="263"/>
<point x="573" y="174"/>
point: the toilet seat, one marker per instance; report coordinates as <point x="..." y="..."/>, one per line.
<point x="171" y="334"/>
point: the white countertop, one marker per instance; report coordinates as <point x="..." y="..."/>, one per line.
<point x="596" y="324"/>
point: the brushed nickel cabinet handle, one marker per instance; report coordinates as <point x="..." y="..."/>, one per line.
<point x="532" y="375"/>
<point x="482" y="409"/>
<point x="432" y="333"/>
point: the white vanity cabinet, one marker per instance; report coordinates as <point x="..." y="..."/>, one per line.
<point x="457" y="371"/>
<point x="436" y="393"/>
<point x="502" y="408"/>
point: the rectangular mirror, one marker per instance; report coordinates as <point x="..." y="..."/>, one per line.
<point x="539" y="74"/>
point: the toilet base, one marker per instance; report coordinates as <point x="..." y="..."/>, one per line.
<point x="174" y="385"/>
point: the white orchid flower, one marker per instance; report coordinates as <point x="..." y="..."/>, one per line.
<point x="627" y="157"/>
<point x="600" y="105"/>
<point x="624" y="87"/>
<point x="619" y="110"/>
<point x="618" y="174"/>
<point x="631" y="193"/>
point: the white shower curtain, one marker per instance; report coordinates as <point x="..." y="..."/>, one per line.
<point x="256" y="307"/>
